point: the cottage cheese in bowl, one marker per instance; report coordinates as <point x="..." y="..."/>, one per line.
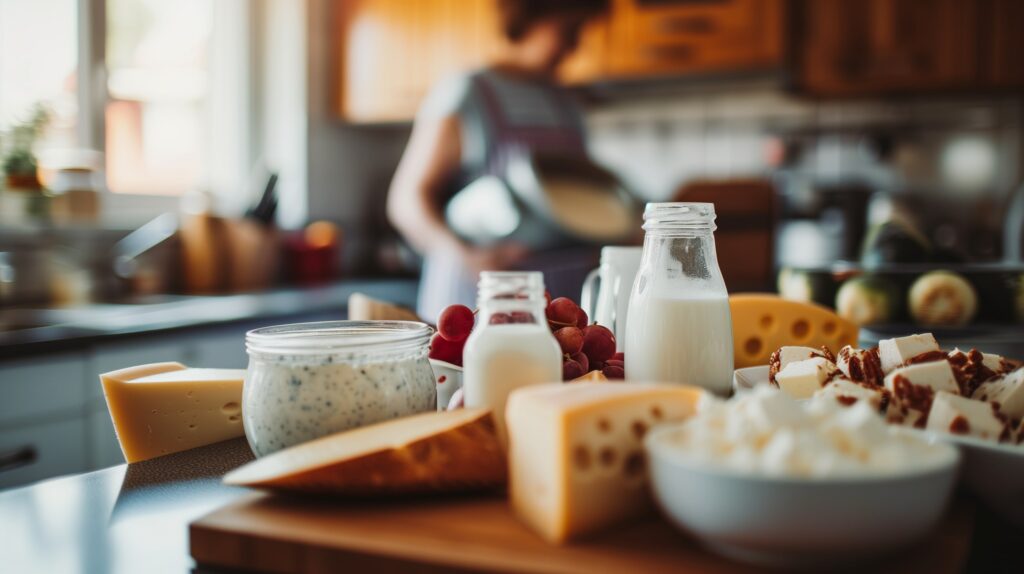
<point x="309" y="380"/>
<point x="766" y="479"/>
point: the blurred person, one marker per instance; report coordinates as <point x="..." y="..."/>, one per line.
<point x="464" y="128"/>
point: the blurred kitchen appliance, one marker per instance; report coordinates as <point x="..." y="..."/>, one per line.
<point x="545" y="202"/>
<point x="745" y="238"/>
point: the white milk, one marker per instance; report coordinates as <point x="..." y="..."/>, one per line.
<point x="680" y="340"/>
<point x="498" y="359"/>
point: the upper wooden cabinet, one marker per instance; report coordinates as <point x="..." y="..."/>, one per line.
<point x="390" y="52"/>
<point x="671" y="37"/>
<point x="874" y="47"/>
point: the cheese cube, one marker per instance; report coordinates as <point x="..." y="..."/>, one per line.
<point x="913" y="387"/>
<point x="802" y="379"/>
<point x="993" y="362"/>
<point x="847" y="392"/>
<point x="781" y="358"/>
<point x="1007" y="391"/>
<point x="164" y="408"/>
<point x="895" y="352"/>
<point x="860" y="365"/>
<point x="962" y="416"/>
<point x="576" y="456"/>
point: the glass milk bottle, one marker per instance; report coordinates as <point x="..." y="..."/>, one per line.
<point x="511" y="346"/>
<point x="679" y="328"/>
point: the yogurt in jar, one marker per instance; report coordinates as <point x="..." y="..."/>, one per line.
<point x="309" y="380"/>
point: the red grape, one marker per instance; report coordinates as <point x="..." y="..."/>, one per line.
<point x="571" y="370"/>
<point x="581" y="318"/>
<point x="547" y="298"/>
<point x="614" y="372"/>
<point x="521" y="317"/>
<point x="620" y="356"/>
<point x="598" y="343"/>
<point x="500" y="319"/>
<point x="570" y="339"/>
<point x="455" y="323"/>
<point x="582" y="360"/>
<point x="444" y="350"/>
<point x="614" y="363"/>
<point x="562" y="311"/>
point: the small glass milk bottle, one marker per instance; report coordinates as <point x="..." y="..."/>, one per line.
<point x="511" y="346"/>
<point x="679" y="328"/>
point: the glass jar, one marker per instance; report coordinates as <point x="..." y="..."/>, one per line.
<point x="309" y="380"/>
<point x="679" y="328"/>
<point x="511" y="346"/>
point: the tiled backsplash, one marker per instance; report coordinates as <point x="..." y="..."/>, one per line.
<point x="659" y="143"/>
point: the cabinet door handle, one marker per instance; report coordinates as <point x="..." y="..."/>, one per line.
<point x="17" y="458"/>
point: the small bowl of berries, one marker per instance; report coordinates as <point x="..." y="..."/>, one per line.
<point x="453" y="328"/>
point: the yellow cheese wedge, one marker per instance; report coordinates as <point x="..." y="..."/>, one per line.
<point x="576" y="457"/>
<point x="163" y="408"/>
<point x="430" y="452"/>
<point x="763" y="323"/>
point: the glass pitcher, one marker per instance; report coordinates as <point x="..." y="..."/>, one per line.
<point x="680" y="328"/>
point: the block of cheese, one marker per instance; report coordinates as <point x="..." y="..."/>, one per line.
<point x="912" y="389"/>
<point x="576" y="457"/>
<point x="860" y="365"/>
<point x="962" y="416"/>
<point x="801" y="379"/>
<point x="1007" y="392"/>
<point x="163" y="408"/>
<point x="429" y="452"/>
<point x="789" y="354"/>
<point x="896" y="352"/>
<point x="763" y="323"/>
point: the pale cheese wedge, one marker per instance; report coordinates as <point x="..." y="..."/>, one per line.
<point x="430" y="452"/>
<point x="164" y="408"/>
<point x="576" y="457"/>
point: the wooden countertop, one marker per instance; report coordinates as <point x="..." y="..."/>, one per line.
<point x="136" y="519"/>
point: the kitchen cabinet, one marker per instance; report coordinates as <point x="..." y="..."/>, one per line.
<point x="50" y="449"/>
<point x="877" y="47"/>
<point x="675" y="37"/>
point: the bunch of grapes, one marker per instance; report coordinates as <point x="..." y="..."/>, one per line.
<point x="453" y="328"/>
<point x="585" y="347"/>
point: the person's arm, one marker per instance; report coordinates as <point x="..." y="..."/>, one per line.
<point x="430" y="159"/>
<point x="413" y="205"/>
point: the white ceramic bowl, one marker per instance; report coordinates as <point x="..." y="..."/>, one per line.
<point x="993" y="472"/>
<point x="449" y="380"/>
<point x="794" y="521"/>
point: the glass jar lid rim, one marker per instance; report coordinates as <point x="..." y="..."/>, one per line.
<point x="333" y="336"/>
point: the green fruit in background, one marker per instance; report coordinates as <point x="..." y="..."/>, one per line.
<point x="895" y="242"/>
<point x="868" y="300"/>
<point x="942" y="298"/>
<point x="807" y="286"/>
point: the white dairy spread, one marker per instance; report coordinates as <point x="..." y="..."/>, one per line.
<point x="767" y="432"/>
<point x="293" y="399"/>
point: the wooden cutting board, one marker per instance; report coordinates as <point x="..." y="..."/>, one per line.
<point x="270" y="533"/>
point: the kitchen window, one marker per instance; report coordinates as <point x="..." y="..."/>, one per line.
<point x="164" y="89"/>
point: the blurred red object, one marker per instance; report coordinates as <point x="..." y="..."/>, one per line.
<point x="312" y="253"/>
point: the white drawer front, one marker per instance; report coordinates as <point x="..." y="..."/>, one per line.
<point x="42" y="385"/>
<point x="57" y="447"/>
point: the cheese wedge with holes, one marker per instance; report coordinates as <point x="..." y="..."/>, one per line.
<point x="164" y="408"/>
<point x="576" y="457"/>
<point x="763" y="323"/>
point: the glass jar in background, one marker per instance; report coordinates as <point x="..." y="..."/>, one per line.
<point x="511" y="345"/>
<point x="680" y="328"/>
<point x="309" y="380"/>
